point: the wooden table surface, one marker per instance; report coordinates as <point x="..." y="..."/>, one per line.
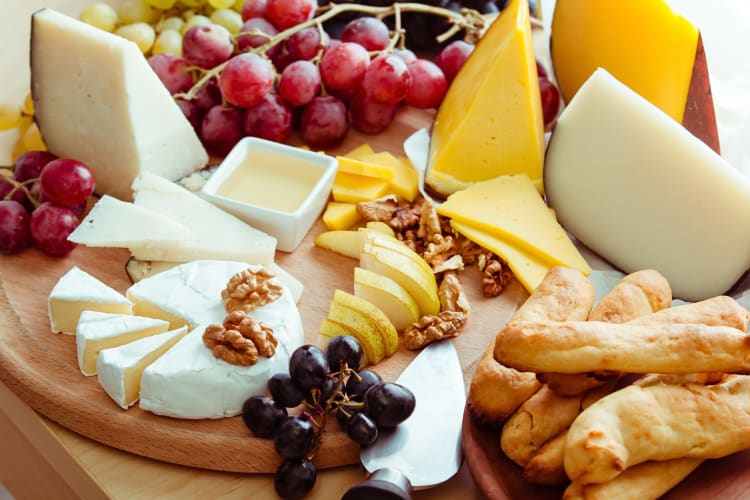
<point x="40" y="459"/>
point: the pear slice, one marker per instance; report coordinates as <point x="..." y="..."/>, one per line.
<point x="380" y="227"/>
<point x="385" y="241"/>
<point x="360" y="328"/>
<point x="388" y="296"/>
<point x="405" y="271"/>
<point x="373" y="314"/>
<point x="340" y="241"/>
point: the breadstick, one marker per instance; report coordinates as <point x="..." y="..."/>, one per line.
<point x="647" y="481"/>
<point x="546" y="465"/>
<point x="585" y="346"/>
<point x="716" y="311"/>
<point x="658" y="422"/>
<point x="496" y="391"/>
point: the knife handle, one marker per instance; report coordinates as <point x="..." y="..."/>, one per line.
<point x="383" y="484"/>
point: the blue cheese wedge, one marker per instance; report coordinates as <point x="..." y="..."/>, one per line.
<point x="77" y="291"/>
<point x="97" y="331"/>
<point x="98" y="101"/>
<point x="119" y="369"/>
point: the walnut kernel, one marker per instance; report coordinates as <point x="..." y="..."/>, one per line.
<point x="248" y="290"/>
<point x="434" y="327"/>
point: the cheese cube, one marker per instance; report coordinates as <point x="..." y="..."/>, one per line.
<point x="355" y="188"/>
<point x="340" y="215"/>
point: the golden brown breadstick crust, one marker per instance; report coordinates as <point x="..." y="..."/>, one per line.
<point x="546" y="465"/>
<point x="658" y="422"/>
<point x="565" y="294"/>
<point x="716" y="311"/>
<point x="637" y="294"/>
<point x="585" y="346"/>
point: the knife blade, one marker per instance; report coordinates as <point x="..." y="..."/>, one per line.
<point x="425" y="449"/>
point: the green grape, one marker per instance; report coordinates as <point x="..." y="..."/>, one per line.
<point x="196" y="20"/>
<point x="136" y="11"/>
<point x="193" y="4"/>
<point x="101" y="15"/>
<point x="187" y="14"/>
<point x="238" y="5"/>
<point x="220" y="4"/>
<point x="141" y="33"/>
<point x="168" y="41"/>
<point x="10" y="117"/>
<point x="171" y="23"/>
<point x="162" y="4"/>
<point x="228" y="18"/>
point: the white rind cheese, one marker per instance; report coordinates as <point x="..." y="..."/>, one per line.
<point x="98" y="101"/>
<point x="214" y="234"/>
<point x="115" y="223"/>
<point x="641" y="191"/>
<point x="119" y="369"/>
<point x="77" y="291"/>
<point x="97" y="331"/>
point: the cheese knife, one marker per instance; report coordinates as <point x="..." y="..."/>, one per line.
<point x="425" y="449"/>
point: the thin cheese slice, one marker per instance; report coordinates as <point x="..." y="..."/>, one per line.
<point x="354" y="188"/>
<point x="97" y="100"/>
<point x="77" y="291"/>
<point x="119" y="369"/>
<point x="97" y="331"/>
<point x="510" y="208"/>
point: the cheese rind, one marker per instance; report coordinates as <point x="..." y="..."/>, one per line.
<point x="638" y="189"/>
<point x="119" y="369"/>
<point x="97" y="331"/>
<point x="97" y="100"/>
<point x="77" y="291"/>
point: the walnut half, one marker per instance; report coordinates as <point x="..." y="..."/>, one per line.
<point x="248" y="290"/>
<point x="433" y="327"/>
<point x="240" y="340"/>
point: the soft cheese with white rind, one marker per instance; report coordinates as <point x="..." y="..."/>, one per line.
<point x="641" y="191"/>
<point x="77" y="291"/>
<point x="97" y="331"/>
<point x="188" y="381"/>
<point x="119" y="369"/>
<point x="214" y="234"/>
<point x="97" y="100"/>
<point x="115" y="223"/>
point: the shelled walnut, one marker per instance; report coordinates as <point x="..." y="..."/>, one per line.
<point x="248" y="290"/>
<point x="495" y="277"/>
<point x="433" y="327"/>
<point x="240" y="340"/>
<point x="451" y="294"/>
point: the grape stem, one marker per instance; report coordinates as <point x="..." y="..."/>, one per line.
<point x="468" y="19"/>
<point x="8" y="176"/>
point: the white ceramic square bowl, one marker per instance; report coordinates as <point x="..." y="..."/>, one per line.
<point x="276" y="188"/>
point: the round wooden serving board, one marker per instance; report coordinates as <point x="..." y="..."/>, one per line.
<point x="41" y="367"/>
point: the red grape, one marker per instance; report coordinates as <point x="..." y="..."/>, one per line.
<point x="282" y="59"/>
<point x="270" y="119"/>
<point x="343" y="66"/>
<point x="541" y="72"/>
<point x="428" y="84"/>
<point x="221" y="129"/>
<point x="208" y="95"/>
<point x="192" y="112"/>
<point x="452" y="57"/>
<point x="15" y="234"/>
<point x="368" y="115"/>
<point x="207" y="45"/>
<point x="67" y="182"/>
<point x="245" y="42"/>
<point x="299" y="83"/>
<point x="30" y="164"/>
<point x="19" y="194"/>
<point x="173" y="71"/>
<point x="246" y="79"/>
<point x="287" y="13"/>
<point x="550" y="100"/>
<point x="253" y="8"/>
<point x="405" y="54"/>
<point x="368" y="31"/>
<point x="306" y="43"/>
<point x="324" y="122"/>
<point x="51" y="224"/>
<point x="387" y="79"/>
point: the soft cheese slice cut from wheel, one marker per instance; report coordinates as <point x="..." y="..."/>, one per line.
<point x="96" y="331"/>
<point x="97" y="100"/>
<point x="115" y="223"/>
<point x="77" y="291"/>
<point x="490" y="122"/>
<point x="637" y="188"/>
<point x="214" y="234"/>
<point x="119" y="369"/>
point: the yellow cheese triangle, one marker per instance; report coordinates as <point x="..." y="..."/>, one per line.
<point x="510" y="208"/>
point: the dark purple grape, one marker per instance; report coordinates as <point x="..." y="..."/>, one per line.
<point x="324" y="122"/>
<point x="356" y="388"/>
<point x="344" y="350"/>
<point x="345" y="412"/>
<point x="308" y="367"/>
<point x="294" y="437"/>
<point x="389" y="404"/>
<point x="262" y="415"/>
<point x="361" y="429"/>
<point x="294" y="478"/>
<point x="284" y="391"/>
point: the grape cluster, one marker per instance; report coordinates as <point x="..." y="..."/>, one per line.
<point x="41" y="201"/>
<point x="323" y="383"/>
<point x="550" y="96"/>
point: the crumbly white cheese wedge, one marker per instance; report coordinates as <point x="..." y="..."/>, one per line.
<point x="97" y="331"/>
<point x="637" y="188"/>
<point x="119" y="369"/>
<point x="188" y="381"/>
<point x="115" y="223"/>
<point x="97" y="100"/>
<point x="77" y="291"/>
<point x="214" y="234"/>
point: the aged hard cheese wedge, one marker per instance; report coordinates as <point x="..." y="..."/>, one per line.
<point x="97" y="100"/>
<point x="119" y="369"/>
<point x="77" y="291"/>
<point x="641" y="191"/>
<point x="490" y="122"/>
<point x="97" y="331"/>
<point x="214" y="234"/>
